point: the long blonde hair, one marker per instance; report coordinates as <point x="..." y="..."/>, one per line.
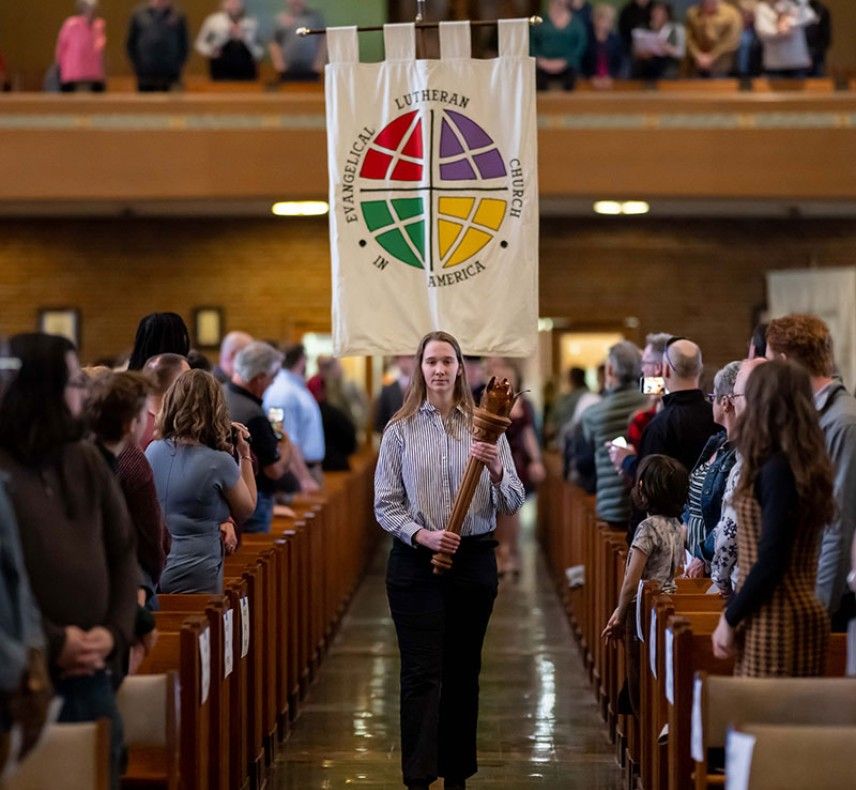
<point x="194" y="408"/>
<point x="417" y="392"/>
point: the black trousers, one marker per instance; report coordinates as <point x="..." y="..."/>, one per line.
<point x="441" y="623"/>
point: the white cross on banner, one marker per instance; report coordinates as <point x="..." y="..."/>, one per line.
<point x="433" y="193"/>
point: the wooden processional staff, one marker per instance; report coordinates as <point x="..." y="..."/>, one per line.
<point x="490" y="420"/>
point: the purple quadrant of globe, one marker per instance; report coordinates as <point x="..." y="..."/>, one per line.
<point x="473" y="134"/>
<point x="449" y="144"/>
<point x="457" y="171"/>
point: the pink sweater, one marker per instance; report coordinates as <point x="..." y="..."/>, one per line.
<point x="80" y="50"/>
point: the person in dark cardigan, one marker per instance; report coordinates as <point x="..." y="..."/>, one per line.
<point x="117" y="416"/>
<point x="775" y="625"/>
<point x="76" y="535"/>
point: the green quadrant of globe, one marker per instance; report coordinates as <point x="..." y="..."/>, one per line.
<point x="402" y="213"/>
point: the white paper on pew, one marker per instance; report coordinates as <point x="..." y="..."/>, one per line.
<point x="738" y="760"/>
<point x="205" y="661"/>
<point x="697" y="739"/>
<point x="639" y="612"/>
<point x="668" y="657"/>
<point x="245" y="626"/>
<point x="652" y="644"/>
<point x="228" y="642"/>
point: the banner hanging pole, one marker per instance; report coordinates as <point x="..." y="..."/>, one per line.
<point x="307" y="31"/>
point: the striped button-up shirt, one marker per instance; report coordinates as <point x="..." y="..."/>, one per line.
<point x="419" y="469"/>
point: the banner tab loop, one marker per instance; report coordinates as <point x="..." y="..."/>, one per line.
<point x="399" y="41"/>
<point x="343" y="45"/>
<point x="455" y="40"/>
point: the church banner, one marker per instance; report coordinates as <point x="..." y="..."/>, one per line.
<point x="433" y="193"/>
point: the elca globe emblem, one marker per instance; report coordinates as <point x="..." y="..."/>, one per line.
<point x="433" y="191"/>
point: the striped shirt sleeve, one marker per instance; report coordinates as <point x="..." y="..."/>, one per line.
<point x="390" y="496"/>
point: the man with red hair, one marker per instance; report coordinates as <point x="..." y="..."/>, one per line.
<point x="806" y="339"/>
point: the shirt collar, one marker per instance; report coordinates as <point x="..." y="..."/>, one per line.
<point x="683" y="396"/>
<point x="822" y="396"/>
<point x="429" y="407"/>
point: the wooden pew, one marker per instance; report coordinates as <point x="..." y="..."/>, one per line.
<point x="691" y="653"/>
<point x="71" y="756"/>
<point x="789" y="757"/>
<point x="281" y="545"/>
<point x="254" y="570"/>
<point x="187" y="650"/>
<point x="220" y="615"/>
<point x="148" y="705"/>
<point x="651" y="696"/>
<point x="720" y="701"/>
<point x="664" y="607"/>
<point x="240" y="709"/>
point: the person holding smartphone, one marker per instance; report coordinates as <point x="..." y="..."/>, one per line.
<point x="255" y="367"/>
<point x="440" y="620"/>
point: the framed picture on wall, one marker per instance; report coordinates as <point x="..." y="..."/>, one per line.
<point x="63" y="321"/>
<point x="208" y="325"/>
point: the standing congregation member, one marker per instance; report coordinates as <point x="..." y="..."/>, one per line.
<point x="80" y="49"/>
<point x="392" y="395"/>
<point x="198" y="481"/>
<point x="255" y="368"/>
<point x="157" y="46"/>
<point x="780" y="25"/>
<point x="117" y="416"/>
<point x="714" y="31"/>
<point x="774" y="625"/>
<point x="606" y="421"/>
<point x="25" y="688"/>
<point x="656" y="552"/>
<point x="229" y="349"/>
<point x="302" y="417"/>
<point x="298" y="57"/>
<point x="806" y="340"/>
<point x="710" y="475"/>
<point x="723" y="567"/>
<point x="230" y="39"/>
<point x="159" y="333"/>
<point x="558" y="46"/>
<point x="162" y="371"/>
<point x="75" y="531"/>
<point x="440" y="620"/>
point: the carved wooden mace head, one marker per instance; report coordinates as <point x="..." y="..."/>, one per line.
<point x="498" y="397"/>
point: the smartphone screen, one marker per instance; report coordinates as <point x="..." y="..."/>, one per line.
<point x="276" y="417"/>
<point x="653" y="385"/>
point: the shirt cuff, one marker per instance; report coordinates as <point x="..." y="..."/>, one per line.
<point x="407" y="531"/>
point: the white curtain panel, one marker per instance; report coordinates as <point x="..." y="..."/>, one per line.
<point x="433" y="193"/>
<point x="829" y="294"/>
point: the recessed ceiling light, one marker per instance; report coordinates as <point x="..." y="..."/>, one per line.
<point x="615" y="207"/>
<point x="635" y="207"/>
<point x="300" y="208"/>
<point x="612" y="207"/>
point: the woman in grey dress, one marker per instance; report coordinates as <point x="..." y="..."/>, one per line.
<point x="199" y="484"/>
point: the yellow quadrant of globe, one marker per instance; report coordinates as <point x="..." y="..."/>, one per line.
<point x="490" y="213"/>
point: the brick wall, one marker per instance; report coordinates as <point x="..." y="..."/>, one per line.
<point x="699" y="278"/>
